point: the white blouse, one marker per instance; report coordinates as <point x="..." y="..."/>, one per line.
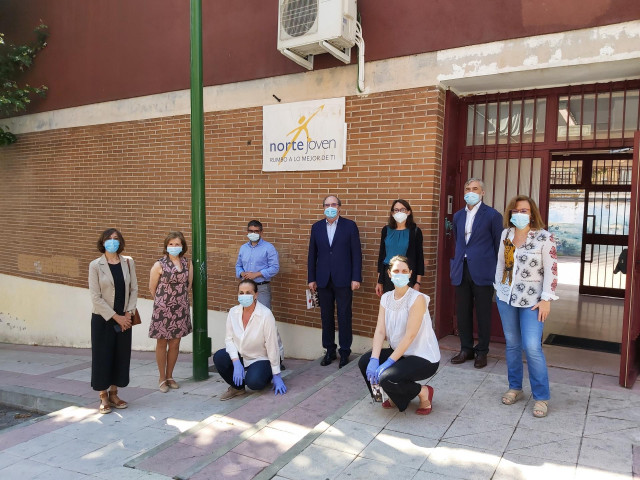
<point x="533" y="275"/>
<point x="396" y="315"/>
<point x="259" y="341"/>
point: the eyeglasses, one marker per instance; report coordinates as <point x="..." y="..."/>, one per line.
<point x="523" y="210"/>
<point x="253" y="231"/>
<point x="331" y="205"/>
<point x="400" y="210"/>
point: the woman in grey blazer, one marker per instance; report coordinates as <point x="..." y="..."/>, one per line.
<point x="114" y="293"/>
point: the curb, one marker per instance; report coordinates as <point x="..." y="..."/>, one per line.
<point x="38" y="400"/>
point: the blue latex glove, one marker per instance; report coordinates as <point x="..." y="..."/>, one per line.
<point x="383" y="367"/>
<point x="373" y="365"/>
<point x="238" y="372"/>
<point x="278" y="385"/>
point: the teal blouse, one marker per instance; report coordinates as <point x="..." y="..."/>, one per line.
<point x="396" y="243"/>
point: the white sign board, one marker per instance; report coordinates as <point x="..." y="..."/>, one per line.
<point x="304" y="136"/>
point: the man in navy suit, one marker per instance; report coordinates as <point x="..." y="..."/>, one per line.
<point x="477" y="229"/>
<point x="334" y="269"/>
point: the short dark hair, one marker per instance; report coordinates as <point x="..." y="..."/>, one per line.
<point x="250" y="282"/>
<point x="171" y="236"/>
<point x="335" y="196"/>
<point x="105" y="236"/>
<point x="392" y="221"/>
<point x="254" y="223"/>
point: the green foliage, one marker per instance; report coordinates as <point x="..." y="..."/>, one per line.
<point x="15" y="59"/>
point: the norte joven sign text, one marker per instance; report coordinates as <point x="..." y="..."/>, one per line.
<point x="304" y="136"/>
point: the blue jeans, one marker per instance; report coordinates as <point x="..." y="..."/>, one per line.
<point x="257" y="375"/>
<point x="522" y="330"/>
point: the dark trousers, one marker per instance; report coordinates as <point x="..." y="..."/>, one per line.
<point x="468" y="296"/>
<point x="329" y="297"/>
<point x="257" y="375"/>
<point x="399" y="380"/>
<point x="110" y="354"/>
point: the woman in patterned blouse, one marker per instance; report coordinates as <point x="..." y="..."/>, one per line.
<point x="526" y="280"/>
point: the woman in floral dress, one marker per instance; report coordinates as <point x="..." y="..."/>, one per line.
<point x="169" y="283"/>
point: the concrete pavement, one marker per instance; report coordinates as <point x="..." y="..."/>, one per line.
<point x="326" y="426"/>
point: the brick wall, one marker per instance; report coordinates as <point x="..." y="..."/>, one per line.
<point x="59" y="189"/>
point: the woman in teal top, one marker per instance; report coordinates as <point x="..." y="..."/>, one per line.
<point x="401" y="236"/>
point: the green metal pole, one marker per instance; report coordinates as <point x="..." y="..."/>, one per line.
<point x="201" y="341"/>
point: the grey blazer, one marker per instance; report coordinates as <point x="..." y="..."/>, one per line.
<point x="103" y="290"/>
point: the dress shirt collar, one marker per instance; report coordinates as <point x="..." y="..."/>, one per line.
<point x="475" y="208"/>
<point x="254" y="246"/>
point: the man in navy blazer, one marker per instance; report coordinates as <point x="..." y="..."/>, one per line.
<point x="477" y="229"/>
<point x="334" y="270"/>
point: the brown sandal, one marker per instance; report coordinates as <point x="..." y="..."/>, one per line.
<point x="115" y="401"/>
<point x="104" y="407"/>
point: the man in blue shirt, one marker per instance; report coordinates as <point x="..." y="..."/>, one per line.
<point x="258" y="261"/>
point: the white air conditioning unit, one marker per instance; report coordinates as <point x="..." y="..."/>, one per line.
<point x="310" y="27"/>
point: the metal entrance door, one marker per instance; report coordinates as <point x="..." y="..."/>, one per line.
<point x="601" y="184"/>
<point x="605" y="233"/>
<point x="631" y="322"/>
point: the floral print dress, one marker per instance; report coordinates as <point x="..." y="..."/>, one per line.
<point x="171" y="316"/>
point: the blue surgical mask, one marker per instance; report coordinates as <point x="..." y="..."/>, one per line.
<point x="520" y="220"/>
<point x="175" y="251"/>
<point x="330" y="212"/>
<point x="471" y="198"/>
<point x="245" y="300"/>
<point x="254" y="237"/>
<point x="112" y="245"/>
<point x="400" y="279"/>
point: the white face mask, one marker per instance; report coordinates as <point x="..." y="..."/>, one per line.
<point x="254" y="237"/>
<point x="400" y="217"/>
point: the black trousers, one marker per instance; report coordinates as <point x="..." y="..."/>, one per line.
<point x="257" y="375"/>
<point x="329" y="297"/>
<point x="399" y="380"/>
<point x="468" y="296"/>
<point x="110" y="354"/>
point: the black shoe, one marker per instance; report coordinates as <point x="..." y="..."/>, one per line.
<point x="343" y="361"/>
<point x="480" y="361"/>
<point x="328" y="358"/>
<point x="462" y="357"/>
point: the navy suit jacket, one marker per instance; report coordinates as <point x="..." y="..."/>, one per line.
<point x="341" y="261"/>
<point x="483" y="246"/>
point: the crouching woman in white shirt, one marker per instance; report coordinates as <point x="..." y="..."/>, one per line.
<point x="413" y="354"/>
<point x="252" y="355"/>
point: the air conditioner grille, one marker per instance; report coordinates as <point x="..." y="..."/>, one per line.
<point x="298" y="16"/>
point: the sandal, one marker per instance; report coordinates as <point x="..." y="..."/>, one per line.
<point x="540" y="408"/>
<point x="511" y="396"/>
<point x="104" y="407"/>
<point x="427" y="410"/>
<point x="163" y="387"/>
<point x="172" y="383"/>
<point x="116" y="401"/>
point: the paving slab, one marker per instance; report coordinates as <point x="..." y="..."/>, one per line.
<point x="326" y="426"/>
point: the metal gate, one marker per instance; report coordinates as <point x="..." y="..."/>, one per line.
<point x="598" y="189"/>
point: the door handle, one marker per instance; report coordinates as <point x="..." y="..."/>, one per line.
<point x="593" y="224"/>
<point x="590" y="259"/>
